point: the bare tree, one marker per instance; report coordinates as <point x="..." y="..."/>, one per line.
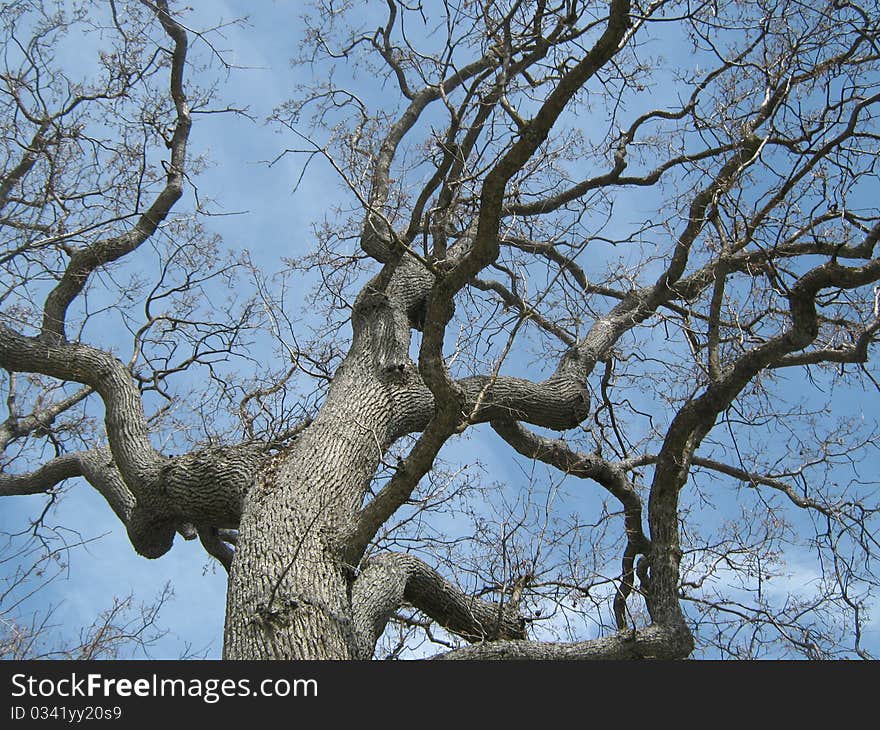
<point x="636" y="240"/>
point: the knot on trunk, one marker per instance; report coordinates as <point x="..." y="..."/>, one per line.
<point x="151" y="533"/>
<point x="208" y="486"/>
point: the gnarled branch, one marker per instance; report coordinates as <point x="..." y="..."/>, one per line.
<point x="389" y="580"/>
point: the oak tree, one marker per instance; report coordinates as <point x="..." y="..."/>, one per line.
<point x="632" y="241"/>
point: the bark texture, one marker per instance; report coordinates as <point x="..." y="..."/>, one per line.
<point x="295" y="520"/>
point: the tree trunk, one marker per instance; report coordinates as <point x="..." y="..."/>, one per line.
<point x="289" y="589"/>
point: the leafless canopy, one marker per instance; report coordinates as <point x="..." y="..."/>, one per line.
<point x="633" y="243"/>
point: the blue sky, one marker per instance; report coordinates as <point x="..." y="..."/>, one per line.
<point x="273" y="223"/>
<point x="270" y="222"/>
<point x="276" y="223"/>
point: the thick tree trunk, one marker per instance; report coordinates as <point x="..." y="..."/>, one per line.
<point x="289" y="589"/>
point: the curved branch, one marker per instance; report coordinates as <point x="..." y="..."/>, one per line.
<point x="526" y="311"/>
<point x="17" y="426"/>
<point x="376" y="237"/>
<point x="551" y="253"/>
<point x="388" y="581"/>
<point x="216" y="547"/>
<point x="854" y="353"/>
<point x="653" y="642"/>
<point x="755" y="479"/>
<point x="590" y="466"/>
<point x="97" y="468"/>
<point x="38" y="144"/>
<point x="559" y="402"/>
<point x="126" y="425"/>
<point x="85" y="260"/>
<point x="203" y="487"/>
<point x="694" y="420"/>
<point x="43" y="479"/>
<point x="614" y="176"/>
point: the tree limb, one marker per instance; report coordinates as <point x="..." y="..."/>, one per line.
<point x="85" y="260"/>
<point x="389" y="580"/>
<point x="653" y="642"/>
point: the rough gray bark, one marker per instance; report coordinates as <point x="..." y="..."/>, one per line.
<point x="654" y="642"/>
<point x="320" y="486"/>
<point x="390" y="580"/>
<point x="292" y="520"/>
